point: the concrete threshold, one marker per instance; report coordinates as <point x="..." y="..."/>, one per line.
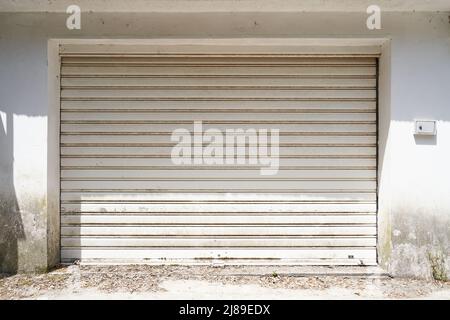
<point x="241" y="271"/>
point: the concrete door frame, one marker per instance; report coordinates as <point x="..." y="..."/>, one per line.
<point x="301" y="46"/>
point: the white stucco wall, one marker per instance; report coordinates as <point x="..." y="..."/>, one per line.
<point x="414" y="172"/>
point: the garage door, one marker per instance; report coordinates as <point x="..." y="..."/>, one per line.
<point x="123" y="198"/>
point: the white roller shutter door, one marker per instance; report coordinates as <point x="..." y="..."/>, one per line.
<point x="123" y="199"/>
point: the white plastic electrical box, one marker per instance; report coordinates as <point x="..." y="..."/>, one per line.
<point x="425" y="127"/>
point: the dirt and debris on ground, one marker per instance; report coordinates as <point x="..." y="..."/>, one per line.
<point x="208" y="282"/>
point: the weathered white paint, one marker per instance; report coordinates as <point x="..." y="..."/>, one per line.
<point x="415" y="69"/>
